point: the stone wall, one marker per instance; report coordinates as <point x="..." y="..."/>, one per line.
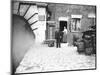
<point x="66" y="10"/>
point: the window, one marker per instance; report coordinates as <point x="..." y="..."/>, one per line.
<point x="42" y="13"/>
<point x="75" y="24"/>
<point x="92" y="18"/>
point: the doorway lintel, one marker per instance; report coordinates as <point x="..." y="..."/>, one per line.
<point x="63" y="18"/>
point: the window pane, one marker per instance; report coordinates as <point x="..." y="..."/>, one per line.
<point x="75" y="24"/>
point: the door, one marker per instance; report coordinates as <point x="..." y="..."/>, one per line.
<point x="62" y="25"/>
<point x="64" y="35"/>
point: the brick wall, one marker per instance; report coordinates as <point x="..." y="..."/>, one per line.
<point x="66" y="10"/>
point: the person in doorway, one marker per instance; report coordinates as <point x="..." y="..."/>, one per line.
<point x="58" y="38"/>
<point x="65" y="35"/>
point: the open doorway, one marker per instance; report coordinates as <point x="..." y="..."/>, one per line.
<point x="62" y="25"/>
<point x="64" y="35"/>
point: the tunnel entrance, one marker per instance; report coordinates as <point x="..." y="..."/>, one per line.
<point x="22" y="38"/>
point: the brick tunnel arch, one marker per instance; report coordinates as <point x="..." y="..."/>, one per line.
<point x="26" y="29"/>
<point x="22" y="38"/>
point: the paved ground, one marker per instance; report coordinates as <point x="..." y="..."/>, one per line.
<point x="42" y="58"/>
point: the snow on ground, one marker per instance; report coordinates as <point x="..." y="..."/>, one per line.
<point x="41" y="58"/>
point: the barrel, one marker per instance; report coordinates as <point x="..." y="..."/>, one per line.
<point x="80" y="46"/>
<point x="89" y="51"/>
<point x="51" y="43"/>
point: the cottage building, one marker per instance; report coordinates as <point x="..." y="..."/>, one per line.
<point x="76" y="18"/>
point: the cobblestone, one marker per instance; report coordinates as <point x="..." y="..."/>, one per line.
<point x="43" y="58"/>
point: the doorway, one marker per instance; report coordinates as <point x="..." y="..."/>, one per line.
<point x="64" y="36"/>
<point x="62" y="25"/>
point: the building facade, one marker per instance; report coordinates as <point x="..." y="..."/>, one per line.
<point x="45" y="18"/>
<point x="76" y="18"/>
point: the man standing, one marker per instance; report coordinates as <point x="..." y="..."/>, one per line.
<point x="58" y="38"/>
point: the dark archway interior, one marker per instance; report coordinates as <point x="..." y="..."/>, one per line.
<point x="22" y="38"/>
<point x="62" y="25"/>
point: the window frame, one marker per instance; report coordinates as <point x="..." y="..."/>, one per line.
<point x="76" y="26"/>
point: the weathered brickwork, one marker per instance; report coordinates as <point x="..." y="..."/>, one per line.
<point x="66" y="10"/>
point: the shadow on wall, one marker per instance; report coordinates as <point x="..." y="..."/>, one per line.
<point x="22" y="39"/>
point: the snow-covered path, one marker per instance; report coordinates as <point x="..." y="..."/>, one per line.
<point x="41" y="58"/>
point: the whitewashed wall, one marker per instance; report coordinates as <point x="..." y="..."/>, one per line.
<point x="40" y="17"/>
